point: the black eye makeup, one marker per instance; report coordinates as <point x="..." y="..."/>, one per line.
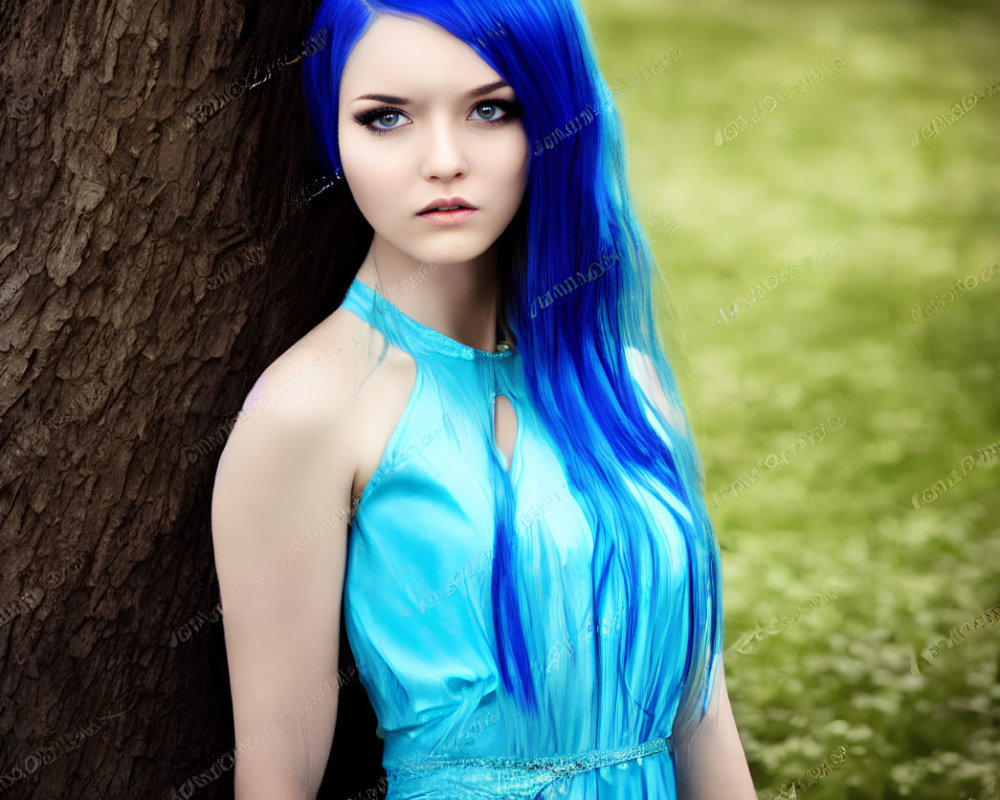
<point x="511" y="110"/>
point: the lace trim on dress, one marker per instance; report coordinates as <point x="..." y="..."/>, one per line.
<point x="519" y="773"/>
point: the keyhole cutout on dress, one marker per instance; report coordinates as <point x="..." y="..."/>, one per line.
<point x="504" y="426"/>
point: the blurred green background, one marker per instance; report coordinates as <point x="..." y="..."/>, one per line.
<point x="831" y="329"/>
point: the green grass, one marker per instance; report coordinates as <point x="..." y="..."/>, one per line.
<point x="836" y="162"/>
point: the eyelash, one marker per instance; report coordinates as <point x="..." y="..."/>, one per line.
<point x="511" y="109"/>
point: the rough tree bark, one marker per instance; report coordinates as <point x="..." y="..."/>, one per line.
<point x="130" y="293"/>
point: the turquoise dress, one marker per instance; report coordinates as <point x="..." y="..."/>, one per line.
<point x="418" y="608"/>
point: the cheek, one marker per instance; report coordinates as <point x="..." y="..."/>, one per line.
<point x="352" y="150"/>
<point x="510" y="160"/>
<point x="374" y="186"/>
<point x="373" y="178"/>
<point x="360" y="150"/>
<point x="521" y="154"/>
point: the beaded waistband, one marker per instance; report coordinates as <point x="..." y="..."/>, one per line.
<point x="554" y="766"/>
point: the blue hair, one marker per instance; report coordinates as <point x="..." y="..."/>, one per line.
<point x="578" y="293"/>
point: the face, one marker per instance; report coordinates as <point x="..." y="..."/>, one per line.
<point x="426" y="136"/>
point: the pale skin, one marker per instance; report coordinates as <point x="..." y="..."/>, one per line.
<point x="290" y="468"/>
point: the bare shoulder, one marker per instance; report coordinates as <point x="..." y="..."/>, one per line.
<point x="315" y="381"/>
<point x="295" y="438"/>
<point x="321" y="413"/>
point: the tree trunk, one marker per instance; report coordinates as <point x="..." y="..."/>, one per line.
<point x="130" y="299"/>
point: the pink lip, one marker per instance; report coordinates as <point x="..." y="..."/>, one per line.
<point x="448" y="217"/>
<point x="446" y="201"/>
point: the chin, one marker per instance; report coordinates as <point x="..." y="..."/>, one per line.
<point x="450" y="255"/>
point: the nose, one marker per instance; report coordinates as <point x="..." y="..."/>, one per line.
<point x="445" y="155"/>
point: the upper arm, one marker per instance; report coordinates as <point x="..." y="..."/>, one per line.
<point x="711" y="764"/>
<point x="645" y="375"/>
<point x="280" y="508"/>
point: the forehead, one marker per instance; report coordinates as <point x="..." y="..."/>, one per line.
<point x="411" y="56"/>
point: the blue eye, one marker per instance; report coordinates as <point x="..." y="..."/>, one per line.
<point x="379" y="114"/>
<point x="493" y="105"/>
<point x="511" y="110"/>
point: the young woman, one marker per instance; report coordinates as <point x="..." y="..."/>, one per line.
<point x="481" y="451"/>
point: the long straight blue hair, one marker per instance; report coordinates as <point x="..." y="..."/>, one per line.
<point x="578" y="294"/>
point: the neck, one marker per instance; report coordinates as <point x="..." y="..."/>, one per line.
<point x="460" y="299"/>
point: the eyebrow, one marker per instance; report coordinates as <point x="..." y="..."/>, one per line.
<point x="402" y="101"/>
